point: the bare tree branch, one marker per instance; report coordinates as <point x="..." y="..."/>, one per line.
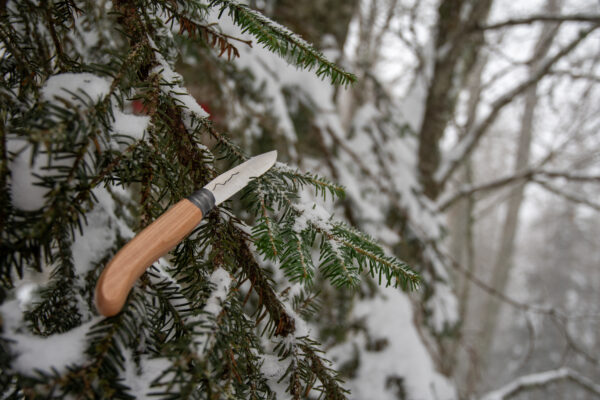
<point x="562" y="324"/>
<point x="541" y="18"/>
<point x="528" y="174"/>
<point x="575" y="75"/>
<point x="468" y="144"/>
<point x="569" y="196"/>
<point x="446" y="202"/>
<point x="516" y="304"/>
<point x="542" y="379"/>
<point x="490" y="290"/>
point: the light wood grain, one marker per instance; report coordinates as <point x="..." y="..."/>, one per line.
<point x="135" y="257"/>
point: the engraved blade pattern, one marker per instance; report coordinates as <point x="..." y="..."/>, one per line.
<point x="229" y="183"/>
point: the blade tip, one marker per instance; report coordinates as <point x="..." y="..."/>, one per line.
<point x="272" y="155"/>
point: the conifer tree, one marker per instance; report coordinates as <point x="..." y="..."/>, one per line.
<point x="98" y="138"/>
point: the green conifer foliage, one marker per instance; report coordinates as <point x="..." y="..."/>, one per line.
<point x="207" y="321"/>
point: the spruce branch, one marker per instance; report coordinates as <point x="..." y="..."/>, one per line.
<point x="344" y="252"/>
<point x="98" y="375"/>
<point x="281" y="41"/>
<point x="308" y="366"/>
<point x="57" y="310"/>
<point x="306" y="303"/>
<point x="283" y="323"/>
<point x="212" y="354"/>
<point x="204" y="32"/>
<point x="328" y="377"/>
<point x="266" y="220"/>
<point x="360" y="248"/>
<point x="321" y="185"/>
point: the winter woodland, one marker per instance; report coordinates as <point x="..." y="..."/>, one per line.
<point x="430" y="231"/>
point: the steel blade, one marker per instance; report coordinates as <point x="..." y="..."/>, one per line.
<point x="229" y="183"/>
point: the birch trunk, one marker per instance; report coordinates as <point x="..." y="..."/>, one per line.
<point x="460" y="221"/>
<point x="504" y="257"/>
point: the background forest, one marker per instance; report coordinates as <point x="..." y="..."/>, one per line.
<point x="468" y="148"/>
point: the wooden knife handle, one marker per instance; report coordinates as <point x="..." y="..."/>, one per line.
<point x="135" y="257"/>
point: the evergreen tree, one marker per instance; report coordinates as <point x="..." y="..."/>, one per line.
<point x="99" y="137"/>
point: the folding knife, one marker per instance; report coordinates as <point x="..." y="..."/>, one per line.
<point x="168" y="230"/>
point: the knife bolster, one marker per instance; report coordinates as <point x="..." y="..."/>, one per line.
<point x="203" y="199"/>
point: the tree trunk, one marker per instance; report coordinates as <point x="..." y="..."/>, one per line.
<point x="313" y="20"/>
<point x="503" y="264"/>
<point x="460" y="222"/>
<point x="457" y="50"/>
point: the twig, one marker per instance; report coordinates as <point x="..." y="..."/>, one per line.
<point x="526" y="175"/>
<point x="472" y="189"/>
<point x="541" y="18"/>
<point x="575" y="75"/>
<point x="490" y="290"/>
<point x="569" y="196"/>
<point x="542" y="379"/>
<point x="569" y="176"/>
<point x="561" y="323"/>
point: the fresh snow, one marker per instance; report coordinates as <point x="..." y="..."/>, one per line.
<point x="273" y="369"/>
<point x="54" y="352"/>
<point x="444" y="307"/>
<point x="98" y="234"/>
<point x="139" y="378"/>
<point x="65" y="85"/>
<point x="404" y="356"/>
<point x="315" y="214"/>
<point x="221" y="281"/>
<point x="69" y="84"/>
<point x="26" y="193"/>
<point x="130" y="125"/>
<point x="172" y="87"/>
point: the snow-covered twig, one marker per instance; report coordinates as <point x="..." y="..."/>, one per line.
<point x="541" y="379"/>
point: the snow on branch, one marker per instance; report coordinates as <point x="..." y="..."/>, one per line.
<point x="203" y="32"/>
<point x="282" y="41"/>
<point x="542" y="379"/>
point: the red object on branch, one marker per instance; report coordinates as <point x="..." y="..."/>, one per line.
<point x="138" y="107"/>
<point x="206" y="108"/>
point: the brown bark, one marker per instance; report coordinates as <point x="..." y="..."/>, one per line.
<point x="315" y="19"/>
<point x="457" y="51"/>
